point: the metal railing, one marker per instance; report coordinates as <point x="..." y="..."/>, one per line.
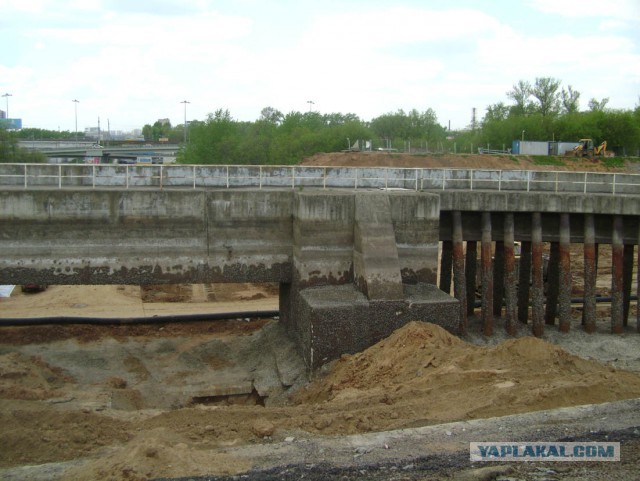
<point x="255" y="176"/>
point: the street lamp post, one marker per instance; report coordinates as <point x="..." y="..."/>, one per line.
<point x="75" y="108"/>
<point x="310" y="102"/>
<point x="6" y="96"/>
<point x="185" y="102"/>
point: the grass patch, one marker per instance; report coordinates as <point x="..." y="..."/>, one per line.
<point x="514" y="158"/>
<point x="614" y="162"/>
<point x="546" y="160"/>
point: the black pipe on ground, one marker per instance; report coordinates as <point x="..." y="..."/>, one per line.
<point x="114" y="321"/>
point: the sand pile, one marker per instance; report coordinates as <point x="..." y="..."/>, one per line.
<point x="424" y="369"/>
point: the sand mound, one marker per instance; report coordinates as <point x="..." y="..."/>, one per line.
<point x="457" y="380"/>
<point x="153" y="454"/>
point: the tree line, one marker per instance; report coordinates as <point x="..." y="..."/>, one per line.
<point x="538" y="110"/>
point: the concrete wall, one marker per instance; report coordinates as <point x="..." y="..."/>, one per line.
<point x="346" y="261"/>
<point x="140" y="237"/>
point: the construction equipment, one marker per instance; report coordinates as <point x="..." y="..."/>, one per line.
<point x="586" y="148"/>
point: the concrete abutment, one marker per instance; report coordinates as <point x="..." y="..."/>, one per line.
<point x="346" y="296"/>
<point x="352" y="265"/>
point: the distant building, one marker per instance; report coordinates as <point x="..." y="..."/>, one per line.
<point x="3" y="114"/>
<point x="92" y="132"/>
<point x="164" y="122"/>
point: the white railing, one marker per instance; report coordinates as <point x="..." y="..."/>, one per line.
<point x="238" y="176"/>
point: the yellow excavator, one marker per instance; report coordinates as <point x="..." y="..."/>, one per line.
<point x="586" y="148"/>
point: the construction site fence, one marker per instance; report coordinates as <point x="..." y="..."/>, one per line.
<point x="260" y="176"/>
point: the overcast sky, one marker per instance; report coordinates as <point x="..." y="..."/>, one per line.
<point x="133" y="61"/>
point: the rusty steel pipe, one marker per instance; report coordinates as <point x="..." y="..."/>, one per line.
<point x="470" y="270"/>
<point x="590" y="273"/>
<point x="553" y="278"/>
<point x="617" y="264"/>
<point x="446" y="262"/>
<point x="509" y="275"/>
<point x="459" y="281"/>
<point x="523" y="282"/>
<point x="564" y="257"/>
<point x="498" y="278"/>
<point x="537" y="286"/>
<point x="627" y="279"/>
<point x="487" y="275"/>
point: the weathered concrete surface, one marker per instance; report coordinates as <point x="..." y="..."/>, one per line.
<point x="322" y="238"/>
<point x="375" y="254"/>
<point x="335" y="320"/>
<point x="356" y="260"/>
<point x="540" y="202"/>
<point x="141" y="237"/>
<point x="371" y="244"/>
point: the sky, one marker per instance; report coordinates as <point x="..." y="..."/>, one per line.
<point x="132" y="62"/>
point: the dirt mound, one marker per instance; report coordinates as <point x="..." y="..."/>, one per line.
<point x="457" y="161"/>
<point x="28" y="378"/>
<point x="153" y="453"/>
<point x="419" y="375"/>
<point x="456" y="380"/>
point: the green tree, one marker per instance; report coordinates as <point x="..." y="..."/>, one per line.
<point x="159" y="130"/>
<point x="545" y="91"/>
<point x="11" y="152"/>
<point x="570" y="100"/>
<point x="271" y="115"/>
<point x="595" y="105"/>
<point x="520" y="94"/>
<point x="413" y="126"/>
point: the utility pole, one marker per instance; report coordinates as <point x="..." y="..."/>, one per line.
<point x="6" y="96"/>
<point x="185" y="102"/>
<point x="76" y="102"/>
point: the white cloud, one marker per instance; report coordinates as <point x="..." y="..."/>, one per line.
<point x="135" y="61"/>
<point x="577" y="9"/>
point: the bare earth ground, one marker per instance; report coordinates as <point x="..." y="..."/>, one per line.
<point x="214" y="398"/>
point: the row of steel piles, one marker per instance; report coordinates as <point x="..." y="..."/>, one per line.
<point x="520" y="290"/>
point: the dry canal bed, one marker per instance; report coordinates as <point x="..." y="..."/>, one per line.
<point x="222" y="397"/>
